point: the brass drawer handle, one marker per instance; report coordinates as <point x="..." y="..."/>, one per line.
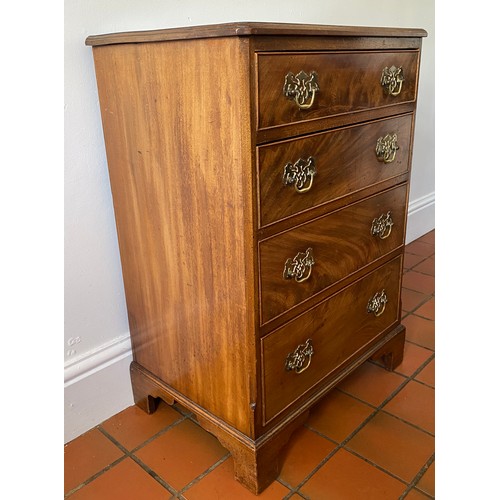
<point x="376" y="304"/>
<point x="301" y="88"/>
<point x="300" y="359"/>
<point x="382" y="226"/>
<point x="300" y="174"/>
<point x="300" y="267"/>
<point x="386" y="148"/>
<point x="392" y="80"/>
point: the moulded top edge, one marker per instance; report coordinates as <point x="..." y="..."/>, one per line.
<point x="250" y="28"/>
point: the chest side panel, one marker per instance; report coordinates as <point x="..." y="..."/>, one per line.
<point x="177" y="130"/>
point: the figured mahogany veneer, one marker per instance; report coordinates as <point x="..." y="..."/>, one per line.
<point x="337" y="327"/>
<point x="348" y="83"/>
<point x="341" y="243"/>
<point x="198" y="131"/>
<point x="345" y="161"/>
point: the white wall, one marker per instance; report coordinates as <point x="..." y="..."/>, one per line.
<point x="97" y="346"/>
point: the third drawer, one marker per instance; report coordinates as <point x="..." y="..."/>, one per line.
<point x="299" y="263"/>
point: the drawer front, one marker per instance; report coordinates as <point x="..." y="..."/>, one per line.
<point x="293" y="87"/>
<point x="335" y="330"/>
<point x="301" y="262"/>
<point x="299" y="174"/>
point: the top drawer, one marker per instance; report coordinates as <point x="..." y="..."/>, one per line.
<point x="294" y="87"/>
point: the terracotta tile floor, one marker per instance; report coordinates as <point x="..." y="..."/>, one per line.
<point x="371" y="438"/>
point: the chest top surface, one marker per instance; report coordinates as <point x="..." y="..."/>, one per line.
<point x="251" y="29"/>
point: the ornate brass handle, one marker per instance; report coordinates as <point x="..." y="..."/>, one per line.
<point x="386" y="148"/>
<point x="392" y="80"/>
<point x="376" y="304"/>
<point x="300" y="267"/>
<point x="300" y="359"/>
<point x="382" y="226"/>
<point x="301" y="88"/>
<point x="300" y="174"/>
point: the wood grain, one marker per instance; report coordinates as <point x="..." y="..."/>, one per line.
<point x="349" y="83"/>
<point x="342" y="243"/>
<point x="184" y="213"/>
<point x="345" y="160"/>
<point x="338" y="328"/>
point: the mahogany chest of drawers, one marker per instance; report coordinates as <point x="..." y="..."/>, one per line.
<point x="260" y="177"/>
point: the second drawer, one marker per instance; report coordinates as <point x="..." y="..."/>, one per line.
<point x="299" y="174"/>
<point x="299" y="263"/>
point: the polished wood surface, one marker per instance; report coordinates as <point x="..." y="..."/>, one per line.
<point x="196" y="131"/>
<point x="348" y="82"/>
<point x="345" y="161"/>
<point x="184" y="214"/>
<point x="341" y="243"/>
<point x="324" y="44"/>
<point x="338" y="328"/>
<point x="250" y="28"/>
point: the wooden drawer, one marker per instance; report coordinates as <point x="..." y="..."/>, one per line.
<point x="299" y="174"/>
<point x="337" y="329"/>
<point x="348" y="82"/>
<point x="341" y="243"/>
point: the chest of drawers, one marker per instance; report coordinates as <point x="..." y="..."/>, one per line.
<point x="260" y="177"/>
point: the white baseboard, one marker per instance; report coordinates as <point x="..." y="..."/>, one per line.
<point x="96" y="387"/>
<point x="421" y="214"/>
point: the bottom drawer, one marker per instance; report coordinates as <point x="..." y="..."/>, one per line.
<point x="300" y="354"/>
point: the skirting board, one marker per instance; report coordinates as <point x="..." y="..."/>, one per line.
<point x="421" y="217"/>
<point x="97" y="385"/>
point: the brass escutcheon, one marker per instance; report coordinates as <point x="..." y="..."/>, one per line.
<point x="300" y="174"/>
<point x="392" y="80"/>
<point x="382" y="226"/>
<point x="301" y="88"/>
<point x="376" y="304"/>
<point x="300" y="267"/>
<point x="300" y="359"/>
<point x="386" y="148"/>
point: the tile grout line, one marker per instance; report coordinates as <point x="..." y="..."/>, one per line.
<point x="418" y="476"/>
<point x="138" y="461"/>
<point x="127" y="454"/>
<point x="425" y="384"/>
<point x="286" y="485"/>
<point x="425" y="494"/>
<point x="424" y="257"/>
<point x="334" y="451"/>
<point x="202" y="475"/>
<point x="411" y="424"/>
<point x="412" y="311"/>
<point x="316" y="469"/>
<point x="95" y="476"/>
<point x="154" y="475"/>
<point x="154" y="436"/>
<point x="380" y="468"/>
<point x="428" y="296"/>
<point x="412" y="268"/>
<point x="358" y="429"/>
<point x="420" y="345"/>
<point x="292" y="492"/>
